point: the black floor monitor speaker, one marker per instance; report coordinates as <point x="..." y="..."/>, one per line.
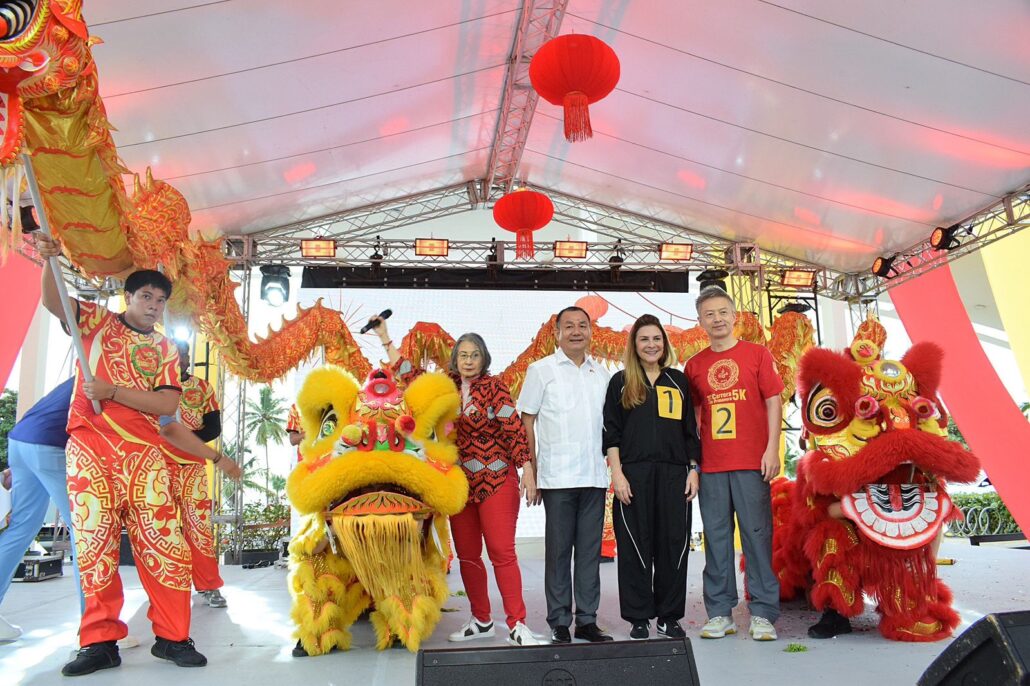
<point x="995" y="651"/>
<point x="618" y="663"/>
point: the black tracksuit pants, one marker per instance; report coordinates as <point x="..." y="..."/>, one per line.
<point x="653" y="532"/>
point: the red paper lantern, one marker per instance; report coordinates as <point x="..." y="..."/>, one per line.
<point x="594" y="305"/>
<point x="523" y="212"/>
<point x="574" y="71"/>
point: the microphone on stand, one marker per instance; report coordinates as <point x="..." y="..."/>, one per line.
<point x="385" y="314"/>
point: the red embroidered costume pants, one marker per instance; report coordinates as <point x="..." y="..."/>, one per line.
<point x="114" y="482"/>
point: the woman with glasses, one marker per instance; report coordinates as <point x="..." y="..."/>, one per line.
<point x="492" y="447"/>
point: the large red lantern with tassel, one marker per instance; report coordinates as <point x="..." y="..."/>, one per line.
<point x="523" y="212"/>
<point x="574" y="71"/>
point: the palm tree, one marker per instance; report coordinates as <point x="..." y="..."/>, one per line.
<point x="266" y="419"/>
<point x="247" y="482"/>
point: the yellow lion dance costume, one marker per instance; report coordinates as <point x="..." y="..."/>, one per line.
<point x="376" y="484"/>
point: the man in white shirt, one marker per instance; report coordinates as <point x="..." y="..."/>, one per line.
<point x="561" y="403"/>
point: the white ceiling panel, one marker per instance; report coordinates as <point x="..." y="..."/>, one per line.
<point x="833" y="131"/>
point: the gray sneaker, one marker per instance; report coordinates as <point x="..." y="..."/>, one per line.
<point x="214" y="598"/>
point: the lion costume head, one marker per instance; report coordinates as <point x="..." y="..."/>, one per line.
<point x="378" y="480"/>
<point x="870" y="500"/>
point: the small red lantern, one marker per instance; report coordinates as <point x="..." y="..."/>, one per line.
<point x="523" y="212"/>
<point x="574" y="71"/>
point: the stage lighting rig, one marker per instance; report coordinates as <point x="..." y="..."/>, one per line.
<point x="884" y="266"/>
<point x="798" y="307"/>
<point x="713" y="277"/>
<point x="616" y="260"/>
<point x="945" y="238"/>
<point x="275" y="284"/>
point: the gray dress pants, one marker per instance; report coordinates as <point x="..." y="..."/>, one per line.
<point x="575" y="518"/>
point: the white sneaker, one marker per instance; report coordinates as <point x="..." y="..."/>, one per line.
<point x="8" y="632"/>
<point x="522" y="636"/>
<point x="214" y="598"/>
<point x="762" y="629"/>
<point x="717" y="627"/>
<point x="472" y="630"/>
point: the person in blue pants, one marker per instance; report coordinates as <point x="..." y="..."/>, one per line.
<point x="35" y="450"/>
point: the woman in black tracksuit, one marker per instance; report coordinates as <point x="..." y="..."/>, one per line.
<point x="650" y="439"/>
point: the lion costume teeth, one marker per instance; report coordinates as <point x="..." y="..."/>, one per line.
<point x="376" y="484"/>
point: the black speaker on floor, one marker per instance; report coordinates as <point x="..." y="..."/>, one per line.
<point x="618" y="663"/>
<point x="995" y="651"/>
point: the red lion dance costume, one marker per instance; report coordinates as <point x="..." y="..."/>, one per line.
<point x="870" y="500"/>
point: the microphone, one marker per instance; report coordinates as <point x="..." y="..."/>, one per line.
<point x="385" y="314"/>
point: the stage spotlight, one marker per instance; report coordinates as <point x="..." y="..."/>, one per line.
<point x="495" y="258"/>
<point x="616" y="260"/>
<point x="884" y="266"/>
<point x="675" y="252"/>
<point x="713" y="277"/>
<point x="181" y="333"/>
<point x="570" y="249"/>
<point x="798" y="278"/>
<point x="318" y="247"/>
<point x="944" y="238"/>
<point x="799" y="307"/>
<point x="275" y="284"/>
<point x="432" y="247"/>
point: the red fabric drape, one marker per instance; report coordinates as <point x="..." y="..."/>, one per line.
<point x="19" y="292"/>
<point x="995" y="429"/>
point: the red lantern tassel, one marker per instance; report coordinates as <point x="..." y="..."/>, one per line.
<point x="577" y="117"/>
<point x="524" y="248"/>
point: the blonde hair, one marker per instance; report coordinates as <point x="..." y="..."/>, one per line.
<point x="634" y="388"/>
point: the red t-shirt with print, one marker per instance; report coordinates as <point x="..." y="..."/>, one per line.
<point x="127" y="358"/>
<point x="730" y="389"/>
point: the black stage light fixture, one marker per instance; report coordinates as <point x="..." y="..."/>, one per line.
<point x="884" y="266"/>
<point x="799" y="307"/>
<point x="713" y="277"/>
<point x="944" y="238"/>
<point x="275" y="284"/>
<point x="616" y="260"/>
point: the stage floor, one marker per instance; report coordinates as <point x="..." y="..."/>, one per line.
<point x="249" y="643"/>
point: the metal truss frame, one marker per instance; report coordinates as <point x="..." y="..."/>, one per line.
<point x="234" y="414"/>
<point x="282" y="245"/>
<point x="539" y="22"/>
<point x="1002" y="219"/>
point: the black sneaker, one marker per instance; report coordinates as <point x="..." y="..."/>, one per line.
<point x="831" y="624"/>
<point x="95" y="656"/>
<point x="182" y="653"/>
<point x="592" y="633"/>
<point x="560" y="634"/>
<point x="669" y="628"/>
<point x="641" y="631"/>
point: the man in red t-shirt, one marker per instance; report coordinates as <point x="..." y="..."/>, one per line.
<point x="117" y="474"/>
<point x="737" y="395"/>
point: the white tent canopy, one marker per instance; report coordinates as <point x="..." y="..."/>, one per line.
<point x="829" y="131"/>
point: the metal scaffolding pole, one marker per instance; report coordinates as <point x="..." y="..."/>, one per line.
<point x="539" y="22"/>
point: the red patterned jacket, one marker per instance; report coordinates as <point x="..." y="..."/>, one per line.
<point x="491" y="437"/>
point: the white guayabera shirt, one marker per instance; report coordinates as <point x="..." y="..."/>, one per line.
<point x="568" y="402"/>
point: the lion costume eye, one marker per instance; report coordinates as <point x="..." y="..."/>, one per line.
<point x="823" y="409"/>
<point x="328" y="427"/>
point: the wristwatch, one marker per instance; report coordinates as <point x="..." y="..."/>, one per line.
<point x="695" y="466"/>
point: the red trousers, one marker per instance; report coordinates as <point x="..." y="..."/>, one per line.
<point x="114" y="482"/>
<point x="190" y="492"/>
<point x="492" y="520"/>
